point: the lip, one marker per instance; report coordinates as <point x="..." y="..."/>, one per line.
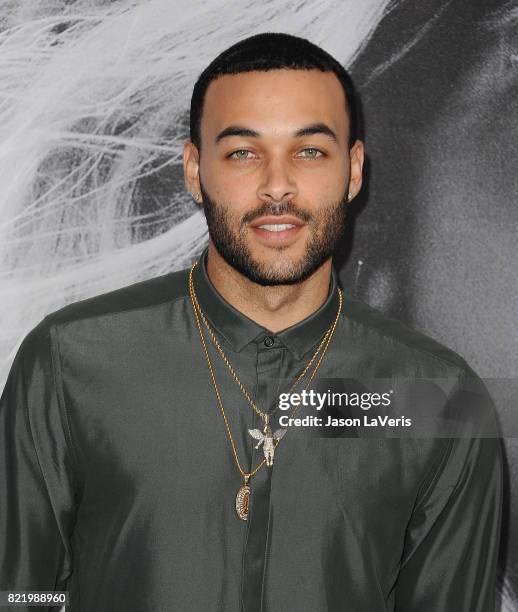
<point x="284" y="237"/>
<point x="273" y="220"/>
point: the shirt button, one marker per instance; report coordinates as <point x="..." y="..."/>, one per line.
<point x="269" y="341"/>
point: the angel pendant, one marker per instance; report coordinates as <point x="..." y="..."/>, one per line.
<point x="267" y="439"/>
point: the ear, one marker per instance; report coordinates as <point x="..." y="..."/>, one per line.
<point x="356" y="155"/>
<point x="191" y="170"/>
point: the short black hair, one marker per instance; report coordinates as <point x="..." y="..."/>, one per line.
<point x="271" y="51"/>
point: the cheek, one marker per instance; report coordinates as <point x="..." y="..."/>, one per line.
<point x="325" y="187"/>
<point x="235" y="198"/>
<point x="319" y="198"/>
<point x="225" y="190"/>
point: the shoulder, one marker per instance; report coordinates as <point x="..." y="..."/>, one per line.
<point x="396" y="340"/>
<point x="388" y="349"/>
<point x="105" y="316"/>
<point x="135" y="297"/>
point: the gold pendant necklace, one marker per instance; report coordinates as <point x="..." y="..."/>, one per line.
<point x="243" y="499"/>
<point x="268" y="439"/>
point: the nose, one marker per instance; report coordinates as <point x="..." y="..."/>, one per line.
<point x="276" y="183"/>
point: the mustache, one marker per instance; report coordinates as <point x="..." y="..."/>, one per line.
<point x="277" y="210"/>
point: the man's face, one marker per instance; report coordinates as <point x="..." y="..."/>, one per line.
<point x="274" y="171"/>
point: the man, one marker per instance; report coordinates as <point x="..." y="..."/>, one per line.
<point x="133" y="471"/>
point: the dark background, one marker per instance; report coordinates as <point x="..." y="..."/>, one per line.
<point x="435" y="228"/>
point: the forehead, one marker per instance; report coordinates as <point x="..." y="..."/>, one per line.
<point x="276" y="101"/>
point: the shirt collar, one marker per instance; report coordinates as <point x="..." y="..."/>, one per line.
<point x="239" y="330"/>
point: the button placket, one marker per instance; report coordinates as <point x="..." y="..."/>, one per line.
<point x="269" y="364"/>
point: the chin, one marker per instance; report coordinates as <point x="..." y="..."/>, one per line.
<point x="287" y="272"/>
<point x="278" y="257"/>
<point x="278" y="265"/>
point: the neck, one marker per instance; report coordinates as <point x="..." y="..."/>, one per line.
<point x="276" y="307"/>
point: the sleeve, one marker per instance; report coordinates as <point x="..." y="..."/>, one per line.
<point x="452" y="539"/>
<point x="38" y="492"/>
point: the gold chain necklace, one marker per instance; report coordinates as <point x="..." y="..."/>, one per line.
<point x="270" y="441"/>
<point x="264" y="416"/>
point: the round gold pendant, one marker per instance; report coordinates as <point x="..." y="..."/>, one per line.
<point x="242" y="499"/>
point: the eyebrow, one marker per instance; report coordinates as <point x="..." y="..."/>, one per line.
<point x="308" y="130"/>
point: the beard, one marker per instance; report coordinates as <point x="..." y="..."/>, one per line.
<point x="326" y="230"/>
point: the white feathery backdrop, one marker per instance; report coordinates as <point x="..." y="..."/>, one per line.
<point x="94" y="101"/>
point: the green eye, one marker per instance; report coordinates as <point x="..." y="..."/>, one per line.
<point x="314" y="153"/>
<point x="236" y="155"/>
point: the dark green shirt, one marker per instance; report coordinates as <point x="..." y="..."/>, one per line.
<point x="118" y="483"/>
